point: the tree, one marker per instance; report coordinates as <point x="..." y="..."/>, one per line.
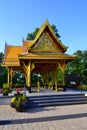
<point x="55" y="30"/>
<point x="3" y="72"/>
<point x="79" y="65"/>
<point x="31" y="36"/>
<point x="18" y="78"/>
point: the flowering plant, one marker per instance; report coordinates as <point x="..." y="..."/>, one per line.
<point x="19" y="102"/>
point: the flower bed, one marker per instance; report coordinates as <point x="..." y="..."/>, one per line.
<point x="19" y="102"/>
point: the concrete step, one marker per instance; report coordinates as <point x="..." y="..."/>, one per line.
<point x="50" y="100"/>
<point x="36" y="98"/>
<point x="5" y="100"/>
<point x="56" y="104"/>
<point x="54" y="100"/>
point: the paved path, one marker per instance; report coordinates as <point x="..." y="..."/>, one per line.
<point x="71" y="117"/>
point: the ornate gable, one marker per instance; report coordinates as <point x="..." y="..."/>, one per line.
<point x="45" y="44"/>
<point x="47" y="41"/>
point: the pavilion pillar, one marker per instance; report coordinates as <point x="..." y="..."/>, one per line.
<point x="63" y="75"/>
<point x="10" y="71"/>
<point x="62" y="67"/>
<point x="27" y="69"/>
<point x="29" y="77"/>
<point x="38" y="86"/>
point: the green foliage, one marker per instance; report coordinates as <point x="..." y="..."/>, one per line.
<point x="60" y="80"/>
<point x="82" y="87"/>
<point x="79" y="65"/>
<point x="55" y="30"/>
<point x="19" y="102"/>
<point x="5" y="85"/>
<point x="3" y="72"/>
<point x="6" y="90"/>
<point x="31" y="36"/>
<point x="36" y="77"/>
<point x="18" y="78"/>
<point x="73" y="78"/>
<point x="18" y="106"/>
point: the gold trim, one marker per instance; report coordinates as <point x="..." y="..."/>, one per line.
<point x="46" y="24"/>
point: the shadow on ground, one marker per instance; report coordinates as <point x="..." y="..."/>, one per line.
<point x="42" y="119"/>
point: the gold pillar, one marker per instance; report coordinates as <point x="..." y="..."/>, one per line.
<point x="62" y="67"/>
<point x="38" y="86"/>
<point x="10" y="71"/>
<point x="29" y="76"/>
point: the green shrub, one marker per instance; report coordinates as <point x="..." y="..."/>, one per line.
<point x="5" y="85"/>
<point x="18" y="106"/>
<point x="6" y="90"/>
<point x="82" y="87"/>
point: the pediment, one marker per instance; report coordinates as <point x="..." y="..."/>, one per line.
<point x="47" y="41"/>
<point x="45" y="44"/>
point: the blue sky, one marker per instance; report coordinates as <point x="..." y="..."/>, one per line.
<point x="19" y="17"/>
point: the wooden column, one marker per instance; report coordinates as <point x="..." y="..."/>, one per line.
<point x="38" y="86"/>
<point x="29" y="76"/>
<point x="27" y="68"/>
<point x="62" y="67"/>
<point x="10" y="71"/>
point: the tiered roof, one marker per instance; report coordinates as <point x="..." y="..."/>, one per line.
<point x="45" y="46"/>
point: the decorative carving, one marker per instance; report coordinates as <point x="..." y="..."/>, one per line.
<point x="62" y="66"/>
<point x="45" y="44"/>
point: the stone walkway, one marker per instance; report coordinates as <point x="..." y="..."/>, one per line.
<point x="71" y="117"/>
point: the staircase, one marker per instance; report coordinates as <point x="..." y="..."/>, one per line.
<point x="56" y="100"/>
<point x="50" y="100"/>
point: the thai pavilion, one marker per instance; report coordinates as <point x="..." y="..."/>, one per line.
<point x="45" y="54"/>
